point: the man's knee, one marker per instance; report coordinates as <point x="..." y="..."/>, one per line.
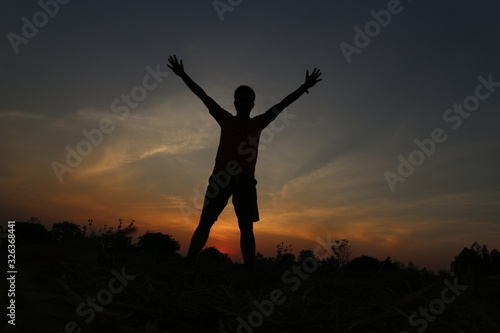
<point x="245" y="226"/>
<point x="206" y="223"/>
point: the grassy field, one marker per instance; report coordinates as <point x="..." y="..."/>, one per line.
<point x="103" y="283"/>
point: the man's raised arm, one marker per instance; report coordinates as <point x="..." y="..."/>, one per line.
<point x="310" y="81"/>
<point x="178" y="69"/>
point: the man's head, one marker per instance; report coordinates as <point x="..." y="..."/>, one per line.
<point x="244" y="98"/>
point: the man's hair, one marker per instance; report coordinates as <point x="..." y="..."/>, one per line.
<point x="246" y="90"/>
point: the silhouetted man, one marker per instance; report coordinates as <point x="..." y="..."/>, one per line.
<point x="234" y="171"/>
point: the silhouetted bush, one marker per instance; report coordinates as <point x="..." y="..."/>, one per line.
<point x="495" y="262"/>
<point x="364" y="264"/>
<point x="32" y="232"/>
<point x="284" y="255"/>
<point x="157" y="243"/>
<point x="305" y="254"/>
<point x="389" y="265"/>
<point x="259" y="258"/>
<point x="65" y="232"/>
<point x="118" y="241"/>
<point x="211" y="294"/>
<point x="213" y="255"/>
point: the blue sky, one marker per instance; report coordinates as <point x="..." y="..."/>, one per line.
<point x="321" y="174"/>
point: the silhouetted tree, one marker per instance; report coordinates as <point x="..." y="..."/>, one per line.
<point x="65" y="232"/>
<point x="495" y="262"/>
<point x="157" y="243"/>
<point x="34" y="219"/>
<point x="467" y="259"/>
<point x="477" y="259"/>
<point x="342" y="252"/>
<point x="389" y="265"/>
<point x="259" y="257"/>
<point x="305" y="254"/>
<point x="32" y="232"/>
<point x="284" y="254"/>
<point x="117" y="241"/>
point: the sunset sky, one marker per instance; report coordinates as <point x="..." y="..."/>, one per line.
<point x="323" y="169"/>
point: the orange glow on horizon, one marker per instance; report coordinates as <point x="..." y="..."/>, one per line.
<point x="375" y="236"/>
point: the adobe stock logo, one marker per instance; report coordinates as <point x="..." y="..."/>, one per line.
<point x="293" y="278"/>
<point x="29" y="30"/>
<point x="221" y="7"/>
<point x="428" y="146"/>
<point x="87" y="309"/>
<point x="437" y="306"/>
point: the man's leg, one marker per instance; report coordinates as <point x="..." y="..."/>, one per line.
<point x="216" y="198"/>
<point x="247" y="242"/>
<point x="245" y="206"/>
<point x="199" y="238"/>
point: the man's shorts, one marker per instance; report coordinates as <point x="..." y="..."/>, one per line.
<point x="221" y="186"/>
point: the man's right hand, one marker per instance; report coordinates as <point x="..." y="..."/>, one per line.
<point x="176" y="66"/>
<point x="312" y="79"/>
